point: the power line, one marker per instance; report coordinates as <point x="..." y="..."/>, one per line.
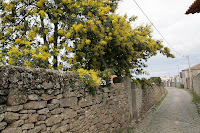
<point x="157" y="29"/>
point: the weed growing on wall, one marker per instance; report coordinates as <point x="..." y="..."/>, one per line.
<point x="144" y="82"/>
<point x="155" y="80"/>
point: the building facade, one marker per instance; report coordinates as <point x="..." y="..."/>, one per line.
<point x="195" y="70"/>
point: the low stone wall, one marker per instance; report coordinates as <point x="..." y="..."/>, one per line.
<point x="39" y="100"/>
<point x="196" y="84"/>
<point x="145" y="98"/>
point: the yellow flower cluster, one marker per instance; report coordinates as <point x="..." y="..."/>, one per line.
<point x="88" y="41"/>
<point x="90" y="77"/>
<point x="78" y="27"/>
<point x="18" y="41"/>
<point x="51" y="39"/>
<point x="13" y="54"/>
<point x="43" y="56"/>
<point x="42" y="13"/>
<point x="67" y="1"/>
<point x="2" y="41"/>
<point x="32" y="34"/>
<point x="40" y="3"/>
<point x="61" y="32"/>
<point x="27" y="63"/>
<point x="46" y="31"/>
<point x="9" y="7"/>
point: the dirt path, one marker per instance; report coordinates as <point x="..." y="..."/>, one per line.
<point x="177" y="114"/>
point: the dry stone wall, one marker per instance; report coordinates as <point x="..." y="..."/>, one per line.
<point x="196" y="84"/>
<point x="40" y="100"/>
<point x="145" y="98"/>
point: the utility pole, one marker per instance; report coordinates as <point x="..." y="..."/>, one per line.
<point x="190" y="75"/>
<point x="179" y="76"/>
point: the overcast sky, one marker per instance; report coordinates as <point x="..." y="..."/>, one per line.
<point x="180" y="30"/>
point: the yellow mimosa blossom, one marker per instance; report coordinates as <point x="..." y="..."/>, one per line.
<point x="88" y="41"/>
<point x="46" y="31"/>
<point x="2" y="41"/>
<point x="51" y="39"/>
<point x="61" y="31"/>
<point x="42" y="13"/>
<point x="18" y="41"/>
<point x="40" y="4"/>
<point x="4" y="4"/>
<point x="60" y="67"/>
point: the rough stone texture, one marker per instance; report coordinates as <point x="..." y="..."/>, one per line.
<point x="35" y="105"/>
<point x="2" y="109"/>
<point x="47" y="97"/>
<point x="15" y="108"/>
<point x="28" y="126"/>
<point x="33" y="118"/>
<point x="53" y="120"/>
<point x="196" y="84"/>
<point x="33" y="97"/>
<point x="57" y="111"/>
<point x="15" y="98"/>
<point x="68" y="113"/>
<point x="17" y="123"/>
<point x="40" y="100"/>
<point x="1" y="117"/>
<point x="43" y="111"/>
<point x="35" y="130"/>
<point x="68" y="102"/>
<point x="145" y="98"/>
<point x="11" y="117"/>
<point x="2" y="125"/>
<point x="24" y="116"/>
<point x="12" y="130"/>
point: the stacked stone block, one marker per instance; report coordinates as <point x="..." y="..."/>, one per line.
<point x="40" y="100"/>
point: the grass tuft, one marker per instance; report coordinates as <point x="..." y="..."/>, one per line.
<point x="196" y="100"/>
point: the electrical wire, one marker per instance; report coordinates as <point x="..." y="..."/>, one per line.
<point x="157" y="29"/>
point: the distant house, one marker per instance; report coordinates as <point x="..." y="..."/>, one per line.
<point x="195" y="70"/>
<point x="194" y="8"/>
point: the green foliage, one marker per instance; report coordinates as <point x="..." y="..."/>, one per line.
<point x="85" y="34"/>
<point x="196" y="100"/>
<point x="106" y="74"/>
<point x="143" y="82"/>
<point x="155" y="80"/>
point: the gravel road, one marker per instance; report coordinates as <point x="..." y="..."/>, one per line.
<point x="177" y="114"/>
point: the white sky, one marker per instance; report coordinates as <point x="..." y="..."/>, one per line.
<point x="180" y="30"/>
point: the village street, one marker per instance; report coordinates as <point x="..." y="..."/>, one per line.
<point x="177" y="114"/>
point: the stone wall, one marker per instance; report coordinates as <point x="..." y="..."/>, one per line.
<point x="196" y="84"/>
<point x="40" y="100"/>
<point x="145" y="98"/>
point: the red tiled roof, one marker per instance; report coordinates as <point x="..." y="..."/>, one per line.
<point x="194" y="8"/>
<point x="195" y="67"/>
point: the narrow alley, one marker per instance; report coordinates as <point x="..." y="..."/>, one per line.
<point x="177" y="114"/>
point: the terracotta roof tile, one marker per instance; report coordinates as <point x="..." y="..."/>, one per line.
<point x="194" y="8"/>
<point x="195" y="67"/>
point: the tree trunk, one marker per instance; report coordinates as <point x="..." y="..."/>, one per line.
<point x="55" y="65"/>
<point x="103" y="61"/>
